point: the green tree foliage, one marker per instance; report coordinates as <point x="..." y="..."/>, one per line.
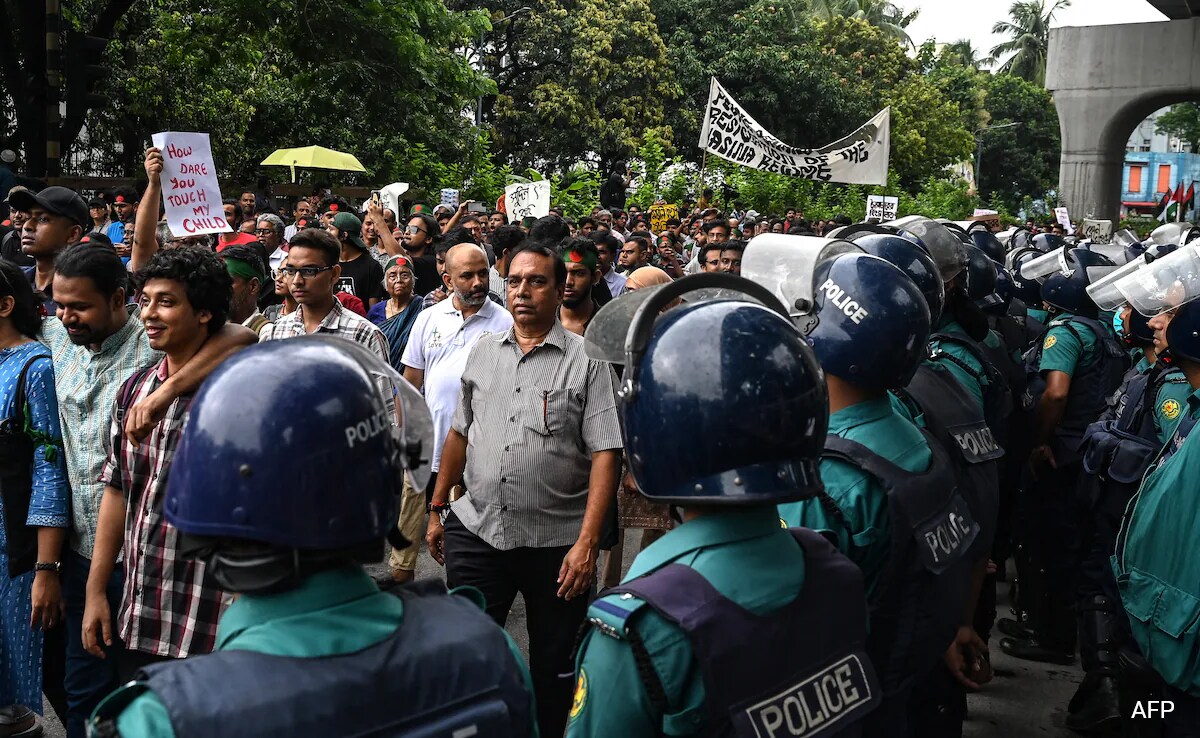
<point x="585" y="80"/>
<point x="888" y="17"/>
<point x="374" y="77"/>
<point x="1182" y="121"/>
<point x="964" y="53"/>
<point x="1028" y="29"/>
<point x="1023" y="160"/>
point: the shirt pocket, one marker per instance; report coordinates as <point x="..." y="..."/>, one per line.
<point x="1166" y="624"/>
<point x="553" y="412"/>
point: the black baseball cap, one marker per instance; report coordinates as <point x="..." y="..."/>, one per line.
<point x="57" y="200"/>
<point x="97" y="202"/>
<point x="95" y="238"/>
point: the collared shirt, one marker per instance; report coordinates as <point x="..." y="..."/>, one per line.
<point x="496" y="285"/>
<point x="276" y="258"/>
<point x="748" y="558"/>
<point x="329" y="614"/>
<point x="338" y="321"/>
<point x="167" y="608"/>
<point x="48" y="307"/>
<point x="256" y="318"/>
<point x="532" y="422"/>
<point x="438" y="345"/>
<point x="615" y="281"/>
<point x="866" y="536"/>
<point x="87" y="383"/>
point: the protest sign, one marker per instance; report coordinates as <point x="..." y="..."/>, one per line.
<point x="729" y="132"/>
<point x="389" y="197"/>
<point x="191" y="194"/>
<point x="1064" y="220"/>
<point x="450" y="198"/>
<point x="660" y="213"/>
<point x="527" y="200"/>
<point x="1099" y="231"/>
<point x="989" y="217"/>
<point x="882" y="207"/>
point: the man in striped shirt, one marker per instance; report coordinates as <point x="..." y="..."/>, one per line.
<point x="537" y="445"/>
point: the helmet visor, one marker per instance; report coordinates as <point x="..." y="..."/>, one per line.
<point x="1125" y="237"/>
<point x="1164" y="283"/>
<point x="785" y="265"/>
<point x="944" y="247"/>
<point x="1104" y="291"/>
<point x="1114" y="252"/>
<point x="1043" y="266"/>
<point x="1172" y="233"/>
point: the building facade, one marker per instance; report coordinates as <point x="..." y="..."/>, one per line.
<point x="1155" y="163"/>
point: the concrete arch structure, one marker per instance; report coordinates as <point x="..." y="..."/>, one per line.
<point x="1105" y="80"/>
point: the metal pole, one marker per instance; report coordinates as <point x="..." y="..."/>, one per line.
<point x="53" y="89"/>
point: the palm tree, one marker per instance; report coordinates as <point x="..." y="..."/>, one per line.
<point x="1029" y="38"/>
<point x="887" y="17"/>
<point x="964" y="52"/>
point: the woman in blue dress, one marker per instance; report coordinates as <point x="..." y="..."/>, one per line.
<point x="33" y="503"/>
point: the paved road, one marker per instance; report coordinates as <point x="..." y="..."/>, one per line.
<point x="1024" y="699"/>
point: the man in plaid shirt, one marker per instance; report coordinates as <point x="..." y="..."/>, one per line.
<point x="312" y="271"/>
<point x="167" y="609"/>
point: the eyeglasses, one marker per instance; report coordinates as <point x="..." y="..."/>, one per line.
<point x="263" y="231"/>
<point x="415" y="229"/>
<point x="306" y="272"/>
<point x="401" y="276"/>
<point x="712" y="262"/>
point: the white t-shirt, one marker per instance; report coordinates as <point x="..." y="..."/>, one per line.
<point x="438" y="345"/>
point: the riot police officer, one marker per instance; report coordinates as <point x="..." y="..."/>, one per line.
<point x="1160" y="586"/>
<point x="728" y="624"/>
<point x="1074" y="368"/>
<point x="283" y="492"/>
<point x="884" y="477"/>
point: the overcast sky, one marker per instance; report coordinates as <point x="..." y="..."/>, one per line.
<point x="950" y="20"/>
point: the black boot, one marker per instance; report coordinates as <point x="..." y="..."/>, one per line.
<point x="1014" y="628"/>
<point x="1137" y="681"/>
<point x="1056" y="645"/>
<point x="1095" y="705"/>
<point x="1033" y="649"/>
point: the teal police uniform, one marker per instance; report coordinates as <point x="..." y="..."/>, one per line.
<point x="973" y="376"/>
<point x="1158" y="573"/>
<point x="746" y="555"/>
<point x="1041" y="316"/>
<point x="878" y="426"/>
<point x="1064" y="349"/>
<point x="1171" y="404"/>
<point x="329" y="614"/>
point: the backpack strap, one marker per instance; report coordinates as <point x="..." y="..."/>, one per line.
<point x="125" y="398"/>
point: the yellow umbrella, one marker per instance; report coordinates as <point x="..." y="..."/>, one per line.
<point x="313" y="157"/>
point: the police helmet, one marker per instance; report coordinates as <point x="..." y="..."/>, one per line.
<point x="1027" y="290"/>
<point x="754" y="397"/>
<point x="1183" y="332"/>
<point x="913" y="261"/>
<point x="304" y="471"/>
<point x="1021" y="238"/>
<point x="943" y="247"/>
<point x="988" y="244"/>
<point x="1067" y="290"/>
<point x="981" y="274"/>
<point x="866" y="320"/>
<point x="1047" y="242"/>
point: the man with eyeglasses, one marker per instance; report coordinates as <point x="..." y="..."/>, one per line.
<point x="709" y="257"/>
<point x="312" y="270"/>
<point x="419" y="235"/>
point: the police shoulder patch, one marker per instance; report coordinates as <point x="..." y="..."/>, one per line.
<point x="1170" y="409"/>
<point x="1049" y="342"/>
<point x="580" y="699"/>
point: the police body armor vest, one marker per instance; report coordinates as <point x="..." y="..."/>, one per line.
<point x="796" y="671"/>
<point x="1091" y="385"/>
<point x="421" y="682"/>
<point x="952" y="418"/>
<point x="1120" y="447"/>
<point x="997" y="397"/>
<point x="918" y="604"/>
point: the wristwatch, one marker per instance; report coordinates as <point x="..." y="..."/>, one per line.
<point x="54" y="566"/>
<point x="441" y="510"/>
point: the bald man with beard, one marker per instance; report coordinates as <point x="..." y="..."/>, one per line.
<point x="444" y="335"/>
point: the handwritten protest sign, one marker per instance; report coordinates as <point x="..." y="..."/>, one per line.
<point x="527" y="200"/>
<point x="1099" y="231"/>
<point x="1064" y="220"/>
<point x="191" y="194"/>
<point x="860" y="158"/>
<point x="882" y="207"/>
<point x="660" y="213"/>
<point x="389" y="197"/>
